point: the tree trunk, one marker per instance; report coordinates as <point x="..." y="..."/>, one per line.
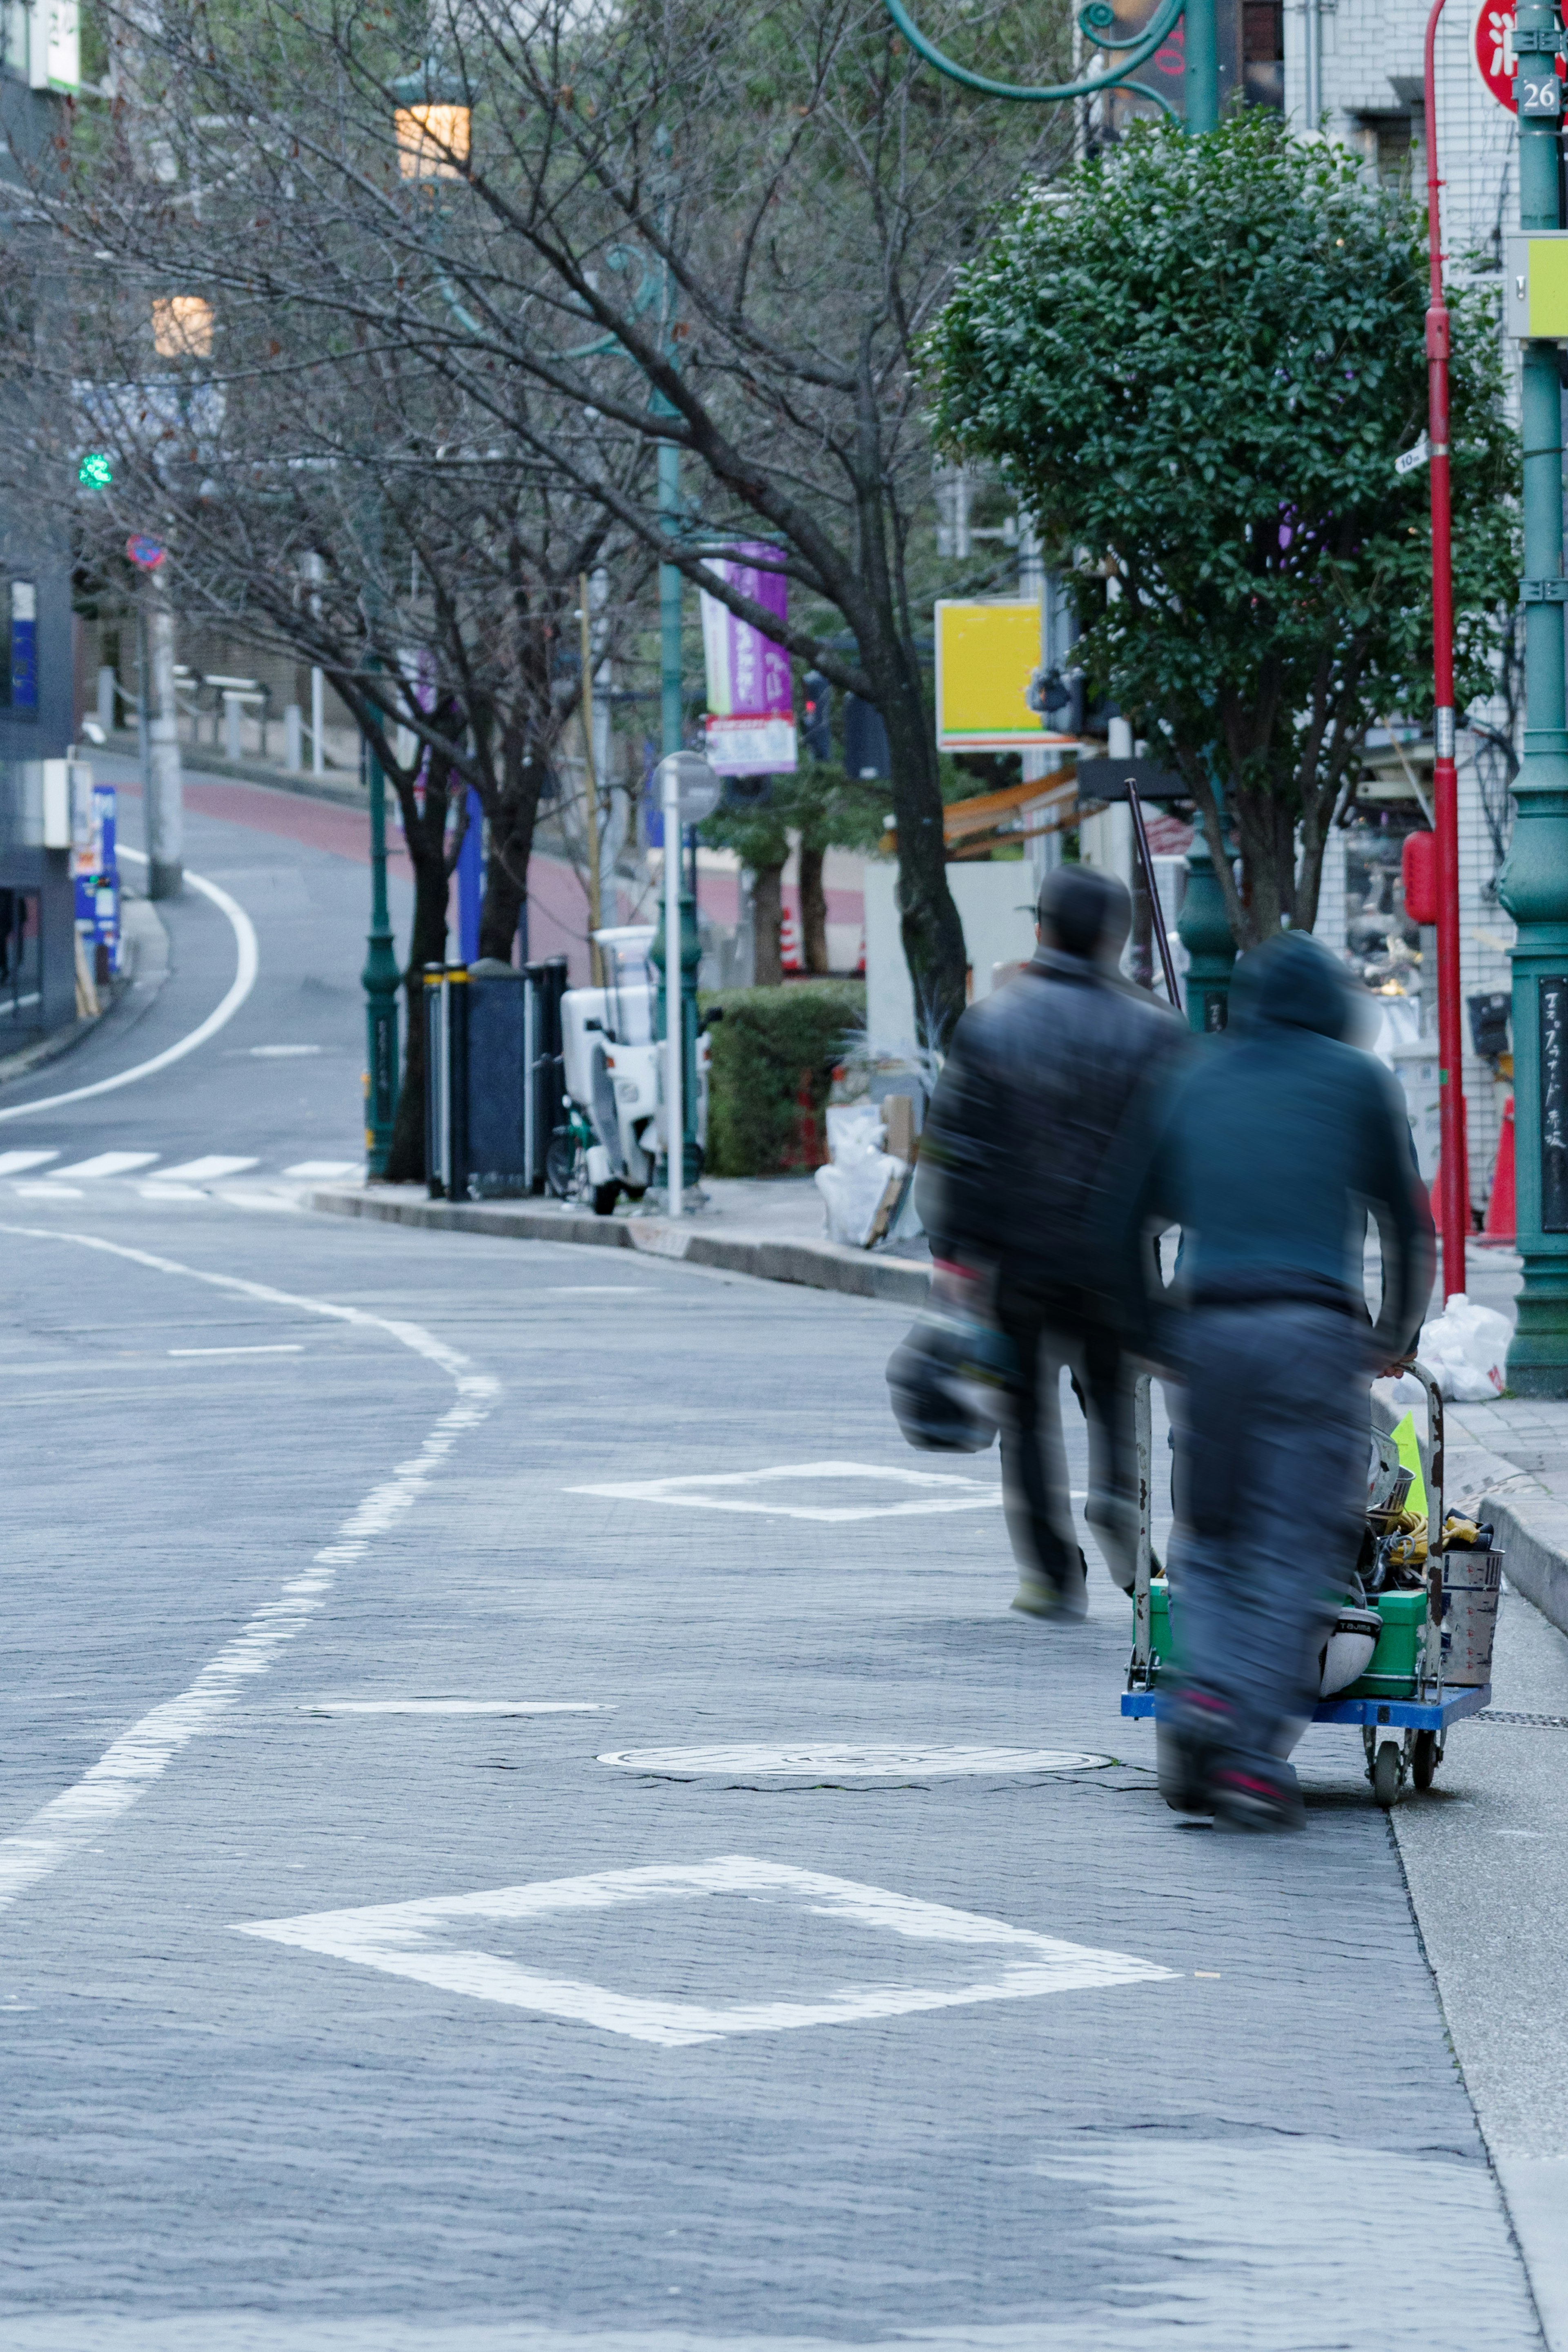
<point x="511" y="846"/>
<point x="932" y="933"/>
<point x="425" y="831"/>
<point x="814" y="909"/>
<point x="767" y="914"/>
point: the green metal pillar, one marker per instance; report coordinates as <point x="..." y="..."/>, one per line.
<point x="1204" y="930"/>
<point x="379" y="979"/>
<point x="1534" y="883"/>
<point x="1200" y="82"/>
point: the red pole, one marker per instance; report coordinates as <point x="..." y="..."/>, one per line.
<point x="1454" y="1188"/>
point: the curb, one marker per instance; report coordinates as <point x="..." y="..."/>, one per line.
<point x="1533" y="1533"/>
<point x="815" y="1265"/>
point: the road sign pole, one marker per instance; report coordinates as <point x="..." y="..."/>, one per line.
<point x="674" y="1010"/>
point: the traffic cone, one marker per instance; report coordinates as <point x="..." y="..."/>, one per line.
<point x="1501" y="1224"/>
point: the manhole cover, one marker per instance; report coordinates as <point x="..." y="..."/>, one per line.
<point x="854" y="1763"/>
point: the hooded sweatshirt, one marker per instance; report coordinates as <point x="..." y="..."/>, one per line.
<point x="1274" y="1149"/>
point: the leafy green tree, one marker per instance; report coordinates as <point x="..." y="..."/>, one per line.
<point x="1198" y="360"/>
<point x="823" y="808"/>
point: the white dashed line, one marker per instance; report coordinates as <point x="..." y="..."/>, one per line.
<point x="140" y="1756"/>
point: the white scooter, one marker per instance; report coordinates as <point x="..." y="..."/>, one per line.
<point x="613" y="1074"/>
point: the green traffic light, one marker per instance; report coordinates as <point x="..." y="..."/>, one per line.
<point x="96" y="471"/>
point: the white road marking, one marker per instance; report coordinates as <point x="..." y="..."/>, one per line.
<point x="109" y="1163"/>
<point x="140" y="1756"/>
<point x="13" y="1162"/>
<point x="273" y="1348"/>
<point x="306" y="1168"/>
<point x="458" y="1706"/>
<point x="282" y="1053"/>
<point x="200" y="1172"/>
<point x="875" y="1763"/>
<point x="247" y="965"/>
<point x="600" y="1291"/>
<point x="971" y="1496"/>
<point x="405" y="1941"/>
<point x="156" y="1191"/>
<point x="49" y="1193"/>
<point x="249" y="1196"/>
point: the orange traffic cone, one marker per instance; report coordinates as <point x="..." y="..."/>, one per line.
<point x="1501" y="1224"/>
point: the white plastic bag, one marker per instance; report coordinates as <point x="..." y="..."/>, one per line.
<point x="1466" y="1349"/>
<point x="856" y="1180"/>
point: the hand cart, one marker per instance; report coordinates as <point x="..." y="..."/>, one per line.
<point x="1403" y="1738"/>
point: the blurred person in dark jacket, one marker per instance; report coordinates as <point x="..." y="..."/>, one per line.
<point x="1269" y="1154"/>
<point x="1035" y="1088"/>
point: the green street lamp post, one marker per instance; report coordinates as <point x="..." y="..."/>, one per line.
<point x="1204" y="927"/>
<point x="1535" y="881"/>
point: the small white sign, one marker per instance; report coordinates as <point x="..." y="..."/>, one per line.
<point x="1413" y="457"/>
<point x="417" y="1940"/>
<point x="850" y="1763"/>
<point x="937" y="1491"/>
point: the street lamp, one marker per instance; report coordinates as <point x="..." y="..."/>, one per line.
<point x="1204" y="926"/>
<point x="434" y="122"/>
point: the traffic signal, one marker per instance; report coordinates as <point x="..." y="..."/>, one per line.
<point x="96" y="471"/>
<point x="818" y="730"/>
<point x="865" y="740"/>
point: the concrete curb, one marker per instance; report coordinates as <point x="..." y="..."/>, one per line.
<point x="818" y="1265"/>
<point x="1532" y="1531"/>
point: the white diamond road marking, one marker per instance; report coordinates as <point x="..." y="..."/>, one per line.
<point x="401" y="1939"/>
<point x="201" y="1171"/>
<point x="11" y="1163"/>
<point x="109" y="1163"/>
<point x="458" y="1706"/>
<point x="856" y="1763"/>
<point x="691" y="1488"/>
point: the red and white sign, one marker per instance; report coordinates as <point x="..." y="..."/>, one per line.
<point x="1492" y="49"/>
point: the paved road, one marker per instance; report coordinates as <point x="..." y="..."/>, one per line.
<point x="352" y="1998"/>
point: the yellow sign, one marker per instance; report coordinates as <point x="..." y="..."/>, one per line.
<point x="986" y="656"/>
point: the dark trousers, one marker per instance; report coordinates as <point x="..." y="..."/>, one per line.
<point x="1271" y="1449"/>
<point x="1050" y="1330"/>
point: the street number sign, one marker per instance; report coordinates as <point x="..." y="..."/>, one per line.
<point x="1535" y="81"/>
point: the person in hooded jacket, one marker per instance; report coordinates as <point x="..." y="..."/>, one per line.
<point x="1036" y="1086"/>
<point x="1270" y="1155"/>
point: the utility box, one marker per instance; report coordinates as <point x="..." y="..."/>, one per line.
<point x="1536" y="286"/>
<point x="494" y="1089"/>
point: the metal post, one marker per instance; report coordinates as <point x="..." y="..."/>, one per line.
<point x="672" y="724"/>
<point x="1200" y="84"/>
<point x="1204" y="928"/>
<point x="379" y="980"/>
<point x="675" y="1025"/>
<point x="1534" y="883"/>
<point x="165" y="806"/>
<point x="317" y="721"/>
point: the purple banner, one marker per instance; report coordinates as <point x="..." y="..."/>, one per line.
<point x="752" y="711"/>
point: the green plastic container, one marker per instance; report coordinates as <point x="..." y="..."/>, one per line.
<point x="1392" y="1674"/>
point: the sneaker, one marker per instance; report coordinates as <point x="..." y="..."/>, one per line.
<point x="1189" y="1734"/>
<point x="1043" y="1596"/>
<point x="1247" y="1799"/>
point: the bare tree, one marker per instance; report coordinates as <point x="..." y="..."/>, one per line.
<point x="346" y="506"/>
<point x="661" y="227"/>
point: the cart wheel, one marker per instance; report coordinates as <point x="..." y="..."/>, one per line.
<point x="1386" y="1774"/>
<point x="1425" y="1759"/>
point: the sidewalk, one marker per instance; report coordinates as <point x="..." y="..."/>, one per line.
<point x="770" y="1227"/>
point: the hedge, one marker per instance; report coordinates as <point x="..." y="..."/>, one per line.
<point x="773" y="1056"/>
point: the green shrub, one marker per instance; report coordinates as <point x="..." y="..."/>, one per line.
<point x="773" y="1056"/>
